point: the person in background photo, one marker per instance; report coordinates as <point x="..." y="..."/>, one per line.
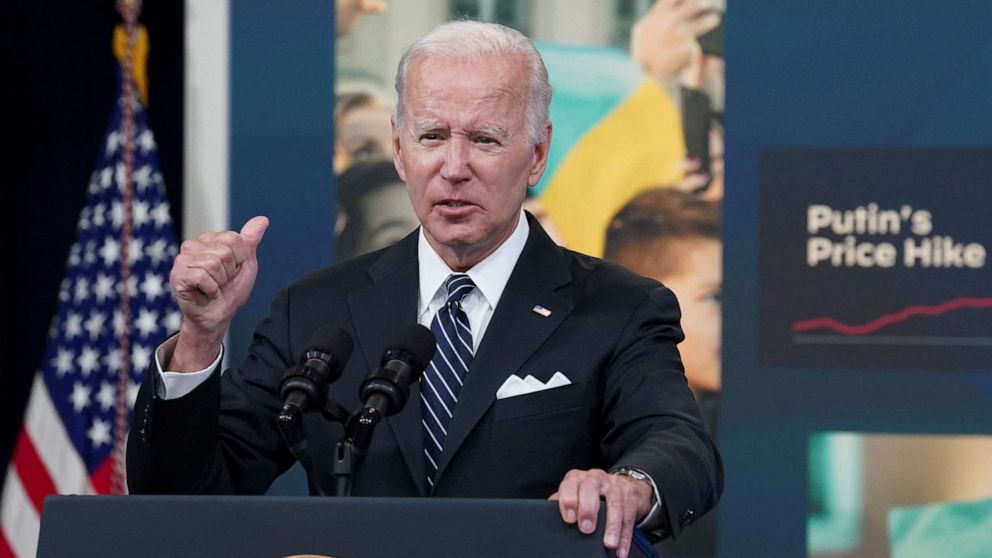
<point x="362" y="125"/>
<point x="674" y="237"/>
<point x="650" y="137"/>
<point x="679" y="43"/>
<point x="363" y="130"/>
<point x="373" y="207"/>
<point x="349" y="12"/>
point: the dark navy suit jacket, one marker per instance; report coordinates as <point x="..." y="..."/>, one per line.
<point x="611" y="332"/>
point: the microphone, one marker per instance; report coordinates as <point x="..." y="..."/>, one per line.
<point x="386" y="390"/>
<point x="383" y="393"/>
<point x="304" y="386"/>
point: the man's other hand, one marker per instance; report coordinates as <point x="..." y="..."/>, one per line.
<point x="627" y="501"/>
<point x="212" y="277"/>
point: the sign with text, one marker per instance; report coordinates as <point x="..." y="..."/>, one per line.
<point x="875" y="258"/>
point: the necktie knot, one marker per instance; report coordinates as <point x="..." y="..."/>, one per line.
<point x="458" y="285"/>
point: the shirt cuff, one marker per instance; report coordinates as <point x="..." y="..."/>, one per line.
<point x="649" y="519"/>
<point x="173" y="385"/>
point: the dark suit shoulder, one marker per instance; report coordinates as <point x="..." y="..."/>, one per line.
<point x="338" y="279"/>
<point x="342" y="276"/>
<point x="599" y="277"/>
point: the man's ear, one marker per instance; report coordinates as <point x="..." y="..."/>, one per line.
<point x="397" y="147"/>
<point x="540" y="161"/>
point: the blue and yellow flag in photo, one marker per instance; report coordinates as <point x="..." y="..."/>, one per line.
<point x="617" y="133"/>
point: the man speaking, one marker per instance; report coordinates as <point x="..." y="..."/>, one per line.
<point x="556" y="374"/>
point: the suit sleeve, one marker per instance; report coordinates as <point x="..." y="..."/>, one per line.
<point x="221" y="438"/>
<point x="652" y="421"/>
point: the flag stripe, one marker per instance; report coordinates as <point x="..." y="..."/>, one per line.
<point x="5" y="550"/>
<point x="32" y="472"/>
<point x="103" y="477"/>
<point x="18" y="517"/>
<point x="56" y="450"/>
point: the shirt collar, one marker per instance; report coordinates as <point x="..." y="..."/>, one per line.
<point x="490" y="275"/>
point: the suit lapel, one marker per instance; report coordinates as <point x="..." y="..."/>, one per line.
<point x="379" y="311"/>
<point x="514" y="332"/>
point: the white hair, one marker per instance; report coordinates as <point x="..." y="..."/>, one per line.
<point x="474" y="39"/>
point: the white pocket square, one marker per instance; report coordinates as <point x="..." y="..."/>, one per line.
<point x="514" y="386"/>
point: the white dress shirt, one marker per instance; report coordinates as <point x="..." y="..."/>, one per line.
<point x="490" y="277"/>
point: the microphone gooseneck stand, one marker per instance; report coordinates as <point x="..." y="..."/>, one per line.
<point x="352" y="448"/>
<point x="291" y="426"/>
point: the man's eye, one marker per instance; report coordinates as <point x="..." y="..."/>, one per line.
<point x="430" y="137"/>
<point x="486" y="140"/>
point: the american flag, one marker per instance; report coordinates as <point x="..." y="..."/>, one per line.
<point x="68" y="443"/>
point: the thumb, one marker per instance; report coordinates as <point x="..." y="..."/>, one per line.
<point x="254" y="230"/>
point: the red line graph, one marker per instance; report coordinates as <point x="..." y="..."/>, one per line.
<point x="895" y="317"/>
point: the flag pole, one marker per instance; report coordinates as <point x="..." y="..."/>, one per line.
<point x="129" y="10"/>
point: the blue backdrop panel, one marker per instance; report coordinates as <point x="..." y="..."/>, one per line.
<point x="282" y="103"/>
<point x="838" y="79"/>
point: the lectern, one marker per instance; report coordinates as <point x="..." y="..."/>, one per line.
<point x="274" y="527"/>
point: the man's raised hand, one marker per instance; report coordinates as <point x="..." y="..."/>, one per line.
<point x="212" y="278"/>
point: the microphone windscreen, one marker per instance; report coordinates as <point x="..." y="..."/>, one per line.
<point x="332" y="340"/>
<point x="418" y="342"/>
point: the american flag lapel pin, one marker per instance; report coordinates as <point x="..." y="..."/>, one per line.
<point x="541" y="310"/>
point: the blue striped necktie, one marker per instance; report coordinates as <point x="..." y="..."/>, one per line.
<point x="444" y="377"/>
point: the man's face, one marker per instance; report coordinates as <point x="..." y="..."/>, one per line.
<point x="465" y="154"/>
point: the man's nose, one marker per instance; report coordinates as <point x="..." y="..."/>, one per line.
<point x="456" y="167"/>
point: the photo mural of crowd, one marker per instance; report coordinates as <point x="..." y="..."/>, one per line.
<point x="635" y="172"/>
